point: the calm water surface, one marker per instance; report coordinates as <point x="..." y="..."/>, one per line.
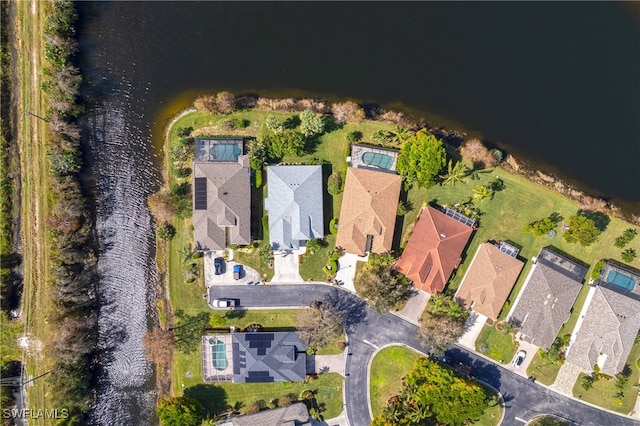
<point x="556" y="84"/>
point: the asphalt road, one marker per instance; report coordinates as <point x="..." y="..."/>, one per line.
<point x="269" y="296"/>
<point x="523" y="399"/>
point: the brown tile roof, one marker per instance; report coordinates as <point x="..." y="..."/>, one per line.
<point x="369" y="207"/>
<point x="228" y="204"/>
<point x="544" y="304"/>
<point x="489" y="280"/>
<point x="433" y="250"/>
<point x="609" y="327"/>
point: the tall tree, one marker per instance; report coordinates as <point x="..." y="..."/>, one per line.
<point x="581" y="230"/>
<point x="310" y="123"/>
<point x="179" y="411"/>
<point x="400" y="134"/>
<point x="320" y="324"/>
<point x="421" y="159"/>
<point x="383" y="287"/>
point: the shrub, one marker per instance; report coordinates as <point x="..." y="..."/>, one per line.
<point x="184" y="132"/>
<point x="334" y="184"/>
<point x="253" y="409"/>
<point x="332" y="226"/>
<point x="182" y="172"/>
<point x="227" y="124"/>
<point x="166" y="231"/>
<point x="347" y="112"/>
<point x="242" y="123"/>
<point x="597" y="269"/>
<point x="582" y="230"/>
<point x="475" y="151"/>
<point x="258" y="181"/>
<point x="382" y="137"/>
<point x="265" y="222"/>
<point x="274" y="124"/>
<point x="402" y="209"/>
<point x="628" y="255"/>
<point x="497" y="155"/>
<point x="355" y="136"/>
<point x="225" y="102"/>
<point x="205" y="103"/>
<point x="285" y="401"/>
<point x="180" y="189"/>
<point x="540" y="227"/>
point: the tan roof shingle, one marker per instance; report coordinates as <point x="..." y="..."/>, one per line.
<point x="369" y="207"/>
<point x="489" y="280"/>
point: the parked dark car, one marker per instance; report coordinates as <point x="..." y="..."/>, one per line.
<point x="218" y="265"/>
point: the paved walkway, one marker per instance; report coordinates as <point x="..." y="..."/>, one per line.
<point x="347" y="269"/>
<point x="328" y="363"/>
<point x="566" y="378"/>
<point x="412" y="311"/>
<point x="341" y="420"/>
<point x="286" y="266"/>
<point x="473" y="327"/>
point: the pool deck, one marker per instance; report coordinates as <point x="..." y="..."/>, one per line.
<point x="204" y="146"/>
<point x="626" y="270"/>
<point x="210" y="373"/>
<point x="358" y="150"/>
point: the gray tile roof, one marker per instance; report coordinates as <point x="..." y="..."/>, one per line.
<point x="293" y="415"/>
<point x="268" y="357"/>
<point x="545" y="302"/>
<point x="294" y="204"/>
<point x="228" y="204"/>
<point x="609" y="327"/>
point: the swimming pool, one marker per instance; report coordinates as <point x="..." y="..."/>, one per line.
<point x="218" y="349"/>
<point x="376" y="159"/>
<point x="621" y="280"/>
<point x="225" y="151"/>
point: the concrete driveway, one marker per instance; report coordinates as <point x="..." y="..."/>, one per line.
<point x="286" y="266"/>
<point x="347" y="269"/>
<point x="473" y="327"/>
<point x="226" y="278"/>
<point x="412" y="311"/>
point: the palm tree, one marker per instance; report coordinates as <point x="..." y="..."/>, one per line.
<point x="455" y="173"/>
<point x="481" y="192"/>
<point x="400" y="134"/>
<point x="186" y="252"/>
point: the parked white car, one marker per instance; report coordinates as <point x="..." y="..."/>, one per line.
<point x="519" y="359"/>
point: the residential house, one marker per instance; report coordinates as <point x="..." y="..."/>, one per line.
<point x="490" y="278"/>
<point x="293" y="415"/>
<point x="254" y="357"/>
<point x="294" y="204"/>
<point x="369" y="209"/>
<point x="434" y="249"/>
<point x="221" y="194"/>
<point x="609" y="324"/>
<point x="545" y="302"/>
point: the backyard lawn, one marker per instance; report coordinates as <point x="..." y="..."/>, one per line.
<point x="496" y="344"/>
<point x="605" y="394"/>
<point x="388" y="368"/>
<point x="544" y="370"/>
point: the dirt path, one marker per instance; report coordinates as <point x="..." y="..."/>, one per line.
<point x="30" y="135"/>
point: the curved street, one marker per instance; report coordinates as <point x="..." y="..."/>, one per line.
<point x="523" y="399"/>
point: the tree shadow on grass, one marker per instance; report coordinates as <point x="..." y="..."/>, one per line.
<point x="601" y="220"/>
<point x="212" y="398"/>
<point x="235" y="314"/>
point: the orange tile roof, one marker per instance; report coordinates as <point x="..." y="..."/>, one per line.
<point x="434" y="250"/>
<point x="489" y="280"/>
<point x="369" y="207"/>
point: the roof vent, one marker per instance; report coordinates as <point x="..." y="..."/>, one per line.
<point x="443" y="236"/>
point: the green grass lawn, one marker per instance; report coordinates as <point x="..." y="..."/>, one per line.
<point x="312" y="264"/>
<point x="250" y="258"/>
<point x="217" y="398"/>
<point x="604" y="392"/>
<point x="549" y="421"/>
<point x="544" y="370"/>
<point x="500" y="346"/>
<point x="388" y="368"/>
